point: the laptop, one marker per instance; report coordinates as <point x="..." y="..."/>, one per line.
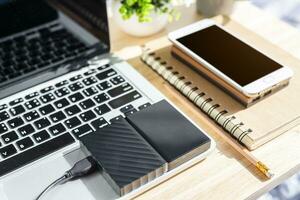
<point x="58" y="82"/>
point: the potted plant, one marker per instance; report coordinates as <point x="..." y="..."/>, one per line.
<point x="143" y="17"/>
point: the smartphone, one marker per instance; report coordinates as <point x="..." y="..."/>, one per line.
<point x="244" y="67"/>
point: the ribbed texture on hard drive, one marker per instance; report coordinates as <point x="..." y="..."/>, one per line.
<point x="128" y="161"/>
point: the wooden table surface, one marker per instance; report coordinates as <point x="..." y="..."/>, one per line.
<point x="224" y="174"/>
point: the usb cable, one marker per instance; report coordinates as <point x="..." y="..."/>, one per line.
<point x="82" y="168"/>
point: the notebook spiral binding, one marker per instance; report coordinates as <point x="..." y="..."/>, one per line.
<point x="207" y="105"/>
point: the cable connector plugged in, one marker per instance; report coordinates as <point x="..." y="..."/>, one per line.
<point x="82" y="168"/>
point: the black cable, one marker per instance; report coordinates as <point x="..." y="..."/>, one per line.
<point x="82" y="168"/>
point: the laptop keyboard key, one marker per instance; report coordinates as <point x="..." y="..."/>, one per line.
<point x="47" y="98"/>
<point x="61" y="103"/>
<point x="104" y="85"/>
<point x="45" y="110"/>
<point x="15" y="122"/>
<point x="72" y="122"/>
<point x="62" y="83"/>
<point x="32" y="95"/>
<point x="90" y="91"/>
<point x="32" y="115"/>
<point x="116" y="118"/>
<point x="4" y="116"/>
<point x="72" y="110"/>
<point x="87" y="116"/>
<point x="125" y="99"/>
<point x="3" y="106"/>
<point x="106" y="74"/>
<point x="9" y="137"/>
<point x="76" y="86"/>
<point x="24" y="143"/>
<point x="101" y="98"/>
<point x="62" y="92"/>
<point x="89" y="81"/>
<point x="117" y="80"/>
<point x="57" y="129"/>
<point x="47" y="89"/>
<point x="17" y="110"/>
<point x="99" y="123"/>
<point x="82" y="130"/>
<point x="101" y="110"/>
<point x="16" y="101"/>
<point x="26" y="130"/>
<point x="3" y="128"/>
<point x="126" y="108"/>
<point x="76" y="97"/>
<point x="41" y="136"/>
<point x="120" y="90"/>
<point x="75" y="78"/>
<point x="8" y="151"/>
<point x="42" y="123"/>
<point x="86" y="104"/>
<point x="32" y="104"/>
<point x="58" y="116"/>
<point x="130" y="112"/>
<point x="144" y="106"/>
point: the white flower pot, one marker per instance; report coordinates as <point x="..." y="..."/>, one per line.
<point x="211" y="8"/>
<point x="140" y="29"/>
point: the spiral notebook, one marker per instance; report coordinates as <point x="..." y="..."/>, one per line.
<point x="251" y="126"/>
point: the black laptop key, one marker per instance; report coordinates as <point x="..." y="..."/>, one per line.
<point x="86" y="104"/>
<point x="57" y="129"/>
<point x="89" y="81"/>
<point x="16" y="101"/>
<point x="101" y="110"/>
<point x="32" y="104"/>
<point x="146" y="105"/>
<point x="3" y="128"/>
<point x="125" y="99"/>
<point x="76" y="86"/>
<point x="61" y="103"/>
<point x="3" y="106"/>
<point x="104" y="85"/>
<point x="99" y="123"/>
<point x="87" y="116"/>
<point x="106" y="74"/>
<point x="75" y="78"/>
<point x="26" y="130"/>
<point x="47" y="89"/>
<point x="117" y="80"/>
<point x="32" y="115"/>
<point x="45" y="110"/>
<point x="101" y="98"/>
<point x="82" y="130"/>
<point x="120" y="90"/>
<point x="7" y="151"/>
<point x="62" y="92"/>
<point x="9" y="137"/>
<point x="116" y="118"/>
<point x="41" y="136"/>
<point x="62" y="83"/>
<point x="72" y="122"/>
<point x="35" y="153"/>
<point x="58" y="116"/>
<point x="42" y="123"/>
<point x="72" y="110"/>
<point x="103" y="67"/>
<point x="76" y="97"/>
<point x="4" y="116"/>
<point x="24" y="143"/>
<point x="47" y="98"/>
<point x="17" y="110"/>
<point x="15" y="122"/>
<point x="130" y="112"/>
<point x="90" y="91"/>
<point x="91" y="71"/>
<point x="127" y="108"/>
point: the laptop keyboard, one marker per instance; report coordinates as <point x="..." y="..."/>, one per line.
<point x="38" y="49"/>
<point x="44" y="121"/>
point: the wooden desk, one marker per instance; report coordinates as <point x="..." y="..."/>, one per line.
<point x="224" y="174"/>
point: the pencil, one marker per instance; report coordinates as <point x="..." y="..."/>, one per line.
<point x="230" y="140"/>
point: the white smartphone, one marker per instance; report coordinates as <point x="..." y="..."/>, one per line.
<point x="223" y="53"/>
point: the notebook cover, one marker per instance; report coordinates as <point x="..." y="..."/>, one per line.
<point x="280" y="109"/>
<point x="172" y="135"/>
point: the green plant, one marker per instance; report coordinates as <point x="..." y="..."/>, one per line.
<point x="143" y="8"/>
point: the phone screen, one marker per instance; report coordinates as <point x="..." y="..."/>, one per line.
<point x="237" y="60"/>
